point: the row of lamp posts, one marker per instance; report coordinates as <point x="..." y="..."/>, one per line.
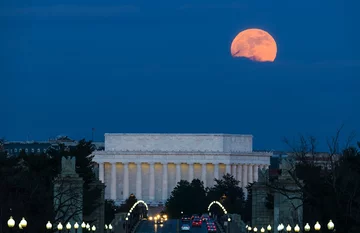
<point x="281" y="228"/>
<point x="85" y="226"/>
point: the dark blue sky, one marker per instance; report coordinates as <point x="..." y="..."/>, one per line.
<point x="165" y="66"/>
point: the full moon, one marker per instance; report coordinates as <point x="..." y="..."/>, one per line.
<point x="255" y="44"/>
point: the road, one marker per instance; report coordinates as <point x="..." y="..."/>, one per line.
<point x="170" y="226"/>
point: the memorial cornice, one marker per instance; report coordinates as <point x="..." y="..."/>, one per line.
<point x="187" y="158"/>
<point x="264" y="154"/>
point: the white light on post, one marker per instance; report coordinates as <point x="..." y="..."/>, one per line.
<point x="11" y="222"/>
<point x="268" y="227"/>
<point x="59" y="226"/>
<point x="262" y="230"/>
<point x="255" y="229"/>
<point x="48" y="225"/>
<point x="83" y="225"/>
<point x="330" y="225"/>
<point x="307" y="227"/>
<point x="23" y="223"/>
<point x="317" y="226"/>
<point x="288" y="228"/>
<point x="297" y="228"/>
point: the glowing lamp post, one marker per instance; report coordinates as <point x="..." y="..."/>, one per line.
<point x="93" y="228"/>
<point x="249" y="228"/>
<point x="68" y="227"/>
<point x="76" y="227"/>
<point x="83" y="226"/>
<point x="255" y="229"/>
<point x="297" y="228"/>
<point x="331" y="226"/>
<point x="11" y="223"/>
<point x="262" y="230"/>
<point x="317" y="226"/>
<point x="23" y="224"/>
<point x="288" y="228"/>
<point x="106" y="228"/>
<point x="307" y="227"/>
<point x="110" y="228"/>
<point x="49" y="226"/>
<point x="88" y="226"/>
<point x="268" y="228"/>
<point x="280" y="228"/>
<point x="60" y="227"/>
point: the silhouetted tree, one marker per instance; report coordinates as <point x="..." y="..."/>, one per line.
<point x="327" y="184"/>
<point x="229" y="193"/>
<point x="187" y="197"/>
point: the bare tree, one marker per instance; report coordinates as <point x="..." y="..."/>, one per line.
<point x="68" y="200"/>
<point x="305" y="166"/>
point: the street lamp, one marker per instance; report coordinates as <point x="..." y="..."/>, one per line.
<point x="288" y="228"/>
<point x="106" y="228"/>
<point x="255" y="229"/>
<point x="23" y="223"/>
<point x="11" y="223"/>
<point x="280" y="228"/>
<point x="330" y="225"/>
<point x="297" y="228"/>
<point x="228" y="226"/>
<point x="317" y="226"/>
<point x="110" y="228"/>
<point x="76" y="227"/>
<point x="68" y="227"/>
<point x="88" y="226"/>
<point x="93" y="228"/>
<point x="83" y="226"/>
<point x="268" y="228"/>
<point x="48" y="226"/>
<point x="262" y="230"/>
<point x="307" y="227"/>
<point x="59" y="227"/>
<point x="249" y="228"/>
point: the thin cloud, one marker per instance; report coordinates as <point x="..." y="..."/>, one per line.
<point x="69" y="10"/>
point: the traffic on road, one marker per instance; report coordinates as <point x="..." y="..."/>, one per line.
<point x="193" y="224"/>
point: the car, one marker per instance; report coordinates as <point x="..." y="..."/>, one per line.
<point x="205" y="217"/>
<point x="194" y="216"/>
<point x="211" y="227"/>
<point x="185" y="227"/>
<point x="185" y="219"/>
<point x="196" y="222"/>
<point x="158" y="220"/>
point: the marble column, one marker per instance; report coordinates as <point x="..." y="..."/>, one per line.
<point x="239" y="174"/>
<point x="165" y="182"/>
<point x="216" y="171"/>
<point x="101" y="172"/>
<point x="228" y="169"/>
<point x="152" y="182"/>
<point x="178" y="173"/>
<point x="126" y="181"/>
<point x="138" y="181"/>
<point x="191" y="172"/>
<point x="244" y="175"/>
<point x="203" y="173"/>
<point x="113" y="182"/>
<point x="250" y="173"/>
<point x="233" y="170"/>
<point x="256" y="172"/>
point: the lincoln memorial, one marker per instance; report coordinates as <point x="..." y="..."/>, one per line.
<point x="150" y="165"/>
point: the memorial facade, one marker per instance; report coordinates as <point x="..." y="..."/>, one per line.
<point x="150" y="165"/>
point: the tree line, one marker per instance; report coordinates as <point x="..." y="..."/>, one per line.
<point x="193" y="198"/>
<point x="26" y="184"/>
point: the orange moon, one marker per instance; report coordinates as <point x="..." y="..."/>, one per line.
<point x="255" y="44"/>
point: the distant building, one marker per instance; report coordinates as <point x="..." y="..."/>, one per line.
<point x="38" y="147"/>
